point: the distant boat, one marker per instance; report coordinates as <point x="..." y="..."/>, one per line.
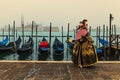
<point x="58" y="49"/>
<point x="4" y="42"/>
<point x="43" y="49"/>
<point x="26" y="48"/>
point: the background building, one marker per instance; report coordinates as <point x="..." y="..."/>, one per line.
<point x="28" y="28"/>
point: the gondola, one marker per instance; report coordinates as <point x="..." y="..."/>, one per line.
<point x="70" y="48"/>
<point x="27" y="48"/>
<point x="100" y="50"/>
<point x="43" y="49"/>
<point x="107" y="52"/>
<point x="58" y="49"/>
<point x="11" y="47"/>
<point x="70" y="44"/>
<point x="4" y="42"/>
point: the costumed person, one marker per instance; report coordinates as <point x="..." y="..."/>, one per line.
<point x="84" y="53"/>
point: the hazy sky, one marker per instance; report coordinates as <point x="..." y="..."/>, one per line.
<point x="59" y="12"/>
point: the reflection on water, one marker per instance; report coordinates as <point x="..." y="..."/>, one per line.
<point x="33" y="56"/>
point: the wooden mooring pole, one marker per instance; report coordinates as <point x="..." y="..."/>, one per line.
<point x="23" y="33"/>
<point x="104" y="50"/>
<point x="90" y="30"/>
<point x="9" y="31"/>
<point x="110" y="30"/>
<point x="115" y="31"/>
<point x="3" y="33"/>
<point x="107" y="33"/>
<point x="50" y="38"/>
<point x="62" y="34"/>
<point x="14" y="58"/>
<point x="16" y="33"/>
<point x="32" y="29"/>
<point x="67" y="39"/>
<point x="74" y="34"/>
<point x="99" y="34"/>
<point x="97" y="38"/>
<point x="14" y="30"/>
<point x="36" y="38"/>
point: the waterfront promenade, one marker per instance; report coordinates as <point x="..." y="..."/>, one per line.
<point x="58" y="70"/>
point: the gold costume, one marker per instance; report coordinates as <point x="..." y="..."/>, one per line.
<point x="84" y="53"/>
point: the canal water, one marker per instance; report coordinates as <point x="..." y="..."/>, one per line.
<point x="34" y="55"/>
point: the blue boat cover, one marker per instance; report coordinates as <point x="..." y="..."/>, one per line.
<point x="98" y="50"/>
<point x="5" y="41"/>
<point x="44" y="49"/>
<point x="71" y="45"/>
<point x="60" y="49"/>
<point x="103" y="42"/>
